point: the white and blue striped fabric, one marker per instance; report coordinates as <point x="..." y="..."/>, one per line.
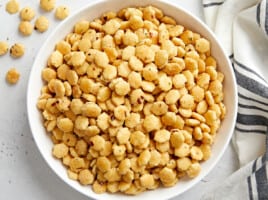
<point x="242" y="28"/>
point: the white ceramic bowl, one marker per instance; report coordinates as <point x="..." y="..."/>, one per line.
<point x="90" y="12"/>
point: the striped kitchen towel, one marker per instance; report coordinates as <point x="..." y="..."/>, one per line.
<point x="242" y="28"/>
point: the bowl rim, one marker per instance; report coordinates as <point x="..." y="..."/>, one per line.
<point x="74" y="15"/>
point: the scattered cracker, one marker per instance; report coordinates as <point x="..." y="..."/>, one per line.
<point x="17" y="50"/>
<point x="47" y="5"/>
<point x="12" y="76"/>
<point x="62" y="12"/>
<point x="27" y="13"/>
<point x="3" y="47"/>
<point x="41" y="24"/>
<point x="25" y="28"/>
<point x="12" y="6"/>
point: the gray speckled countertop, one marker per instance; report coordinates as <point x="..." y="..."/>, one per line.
<point x="23" y="172"/>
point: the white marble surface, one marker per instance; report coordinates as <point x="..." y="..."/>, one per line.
<point x="23" y="172"/>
